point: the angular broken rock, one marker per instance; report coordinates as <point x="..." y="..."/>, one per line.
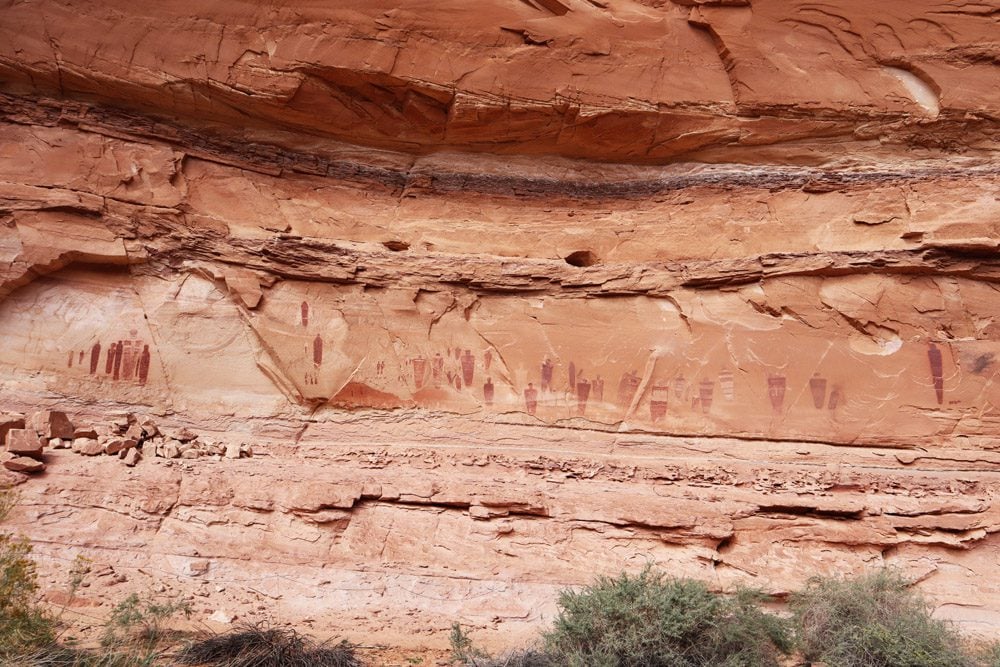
<point x="84" y="432"/>
<point x="87" y="447"/>
<point x="134" y="432"/>
<point x="118" y="445"/>
<point x="23" y="464"/>
<point x="246" y="451"/>
<point x="181" y="434"/>
<point x="52" y="424"/>
<point x="24" y="442"/>
<point x="9" y="420"/>
<point x="56" y="443"/>
<point x="126" y="446"/>
<point x="232" y="451"/>
<point x="132" y="456"/>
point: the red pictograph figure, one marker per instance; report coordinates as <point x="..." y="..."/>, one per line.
<point x="95" y="357"/>
<point x="110" y="363"/>
<point x="836" y="396"/>
<point x="419" y="371"/>
<point x="582" y="394"/>
<point x="128" y="360"/>
<point x="776" y="385"/>
<point x="627" y="387"/>
<point x="705" y="390"/>
<point x="317" y="351"/>
<point x="531" y="399"/>
<point x="487" y="359"/>
<point x="817" y="386"/>
<point x="572" y="376"/>
<point x="680" y="387"/>
<point x="658" y="397"/>
<point x="598" y="389"/>
<point x="727" y="385"/>
<point x="80" y="360"/>
<point x="118" y="361"/>
<point x="468" y="368"/>
<point x="437" y="369"/>
<point x="547" y="368"/>
<point x="488" y="390"/>
<point x="69" y="364"/>
<point x="144" y="365"/>
<point x="937" y="371"/>
<point x="305" y="314"/>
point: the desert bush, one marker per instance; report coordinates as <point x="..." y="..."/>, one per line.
<point x="652" y="620"/>
<point x="990" y="656"/>
<point x="260" y="646"/>
<point x="136" y="623"/>
<point x="873" y="620"/>
<point x="23" y="623"/>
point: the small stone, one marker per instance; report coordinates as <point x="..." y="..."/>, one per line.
<point x="191" y="453"/>
<point x="221" y="616"/>
<point x="55" y="443"/>
<point x="52" y="424"/>
<point x="246" y="451"/>
<point x="87" y="447"/>
<point x="132" y="456"/>
<point x="232" y="451"/>
<point x="84" y="432"/>
<point x="197" y="568"/>
<point x="23" y="464"/>
<point x="24" y="442"/>
<point x="134" y="432"/>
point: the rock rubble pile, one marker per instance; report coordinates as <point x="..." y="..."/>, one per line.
<point x="128" y="437"/>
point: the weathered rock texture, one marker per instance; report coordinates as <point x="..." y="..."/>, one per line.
<point x="509" y="293"/>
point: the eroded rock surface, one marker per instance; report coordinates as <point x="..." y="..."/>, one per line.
<point x="506" y="294"/>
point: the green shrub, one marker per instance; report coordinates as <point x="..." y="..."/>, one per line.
<point x="652" y="620"/>
<point x="136" y="623"/>
<point x="259" y="646"/>
<point x="23" y="623"/>
<point x="872" y="621"/>
<point x="990" y="656"/>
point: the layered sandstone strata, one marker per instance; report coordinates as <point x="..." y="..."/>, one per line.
<point x="509" y="294"/>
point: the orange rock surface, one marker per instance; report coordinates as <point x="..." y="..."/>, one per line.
<point x="507" y="294"/>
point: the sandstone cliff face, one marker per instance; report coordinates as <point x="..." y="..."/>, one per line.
<point x="509" y="293"/>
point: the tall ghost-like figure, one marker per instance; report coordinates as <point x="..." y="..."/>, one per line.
<point x="305" y="313"/>
<point x="776" y="385"/>
<point x="118" y="360"/>
<point x="317" y="351"/>
<point x="95" y="357"/>
<point x="531" y="399"/>
<point x="547" y="368"/>
<point x="468" y="368"/>
<point x="937" y="371"/>
<point x="144" y="365"/>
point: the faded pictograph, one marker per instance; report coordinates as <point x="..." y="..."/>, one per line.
<point x="937" y="370"/>
<point x="488" y="392"/>
<point x="659" y="397"/>
<point x="776" y="386"/>
<point x="531" y="399"/>
<point x="627" y="387"/>
<point x="706" y="389"/>
<point x="126" y="360"/>
<point x="817" y="387"/>
<point x="727" y="385"/>
<point x="313" y="350"/>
